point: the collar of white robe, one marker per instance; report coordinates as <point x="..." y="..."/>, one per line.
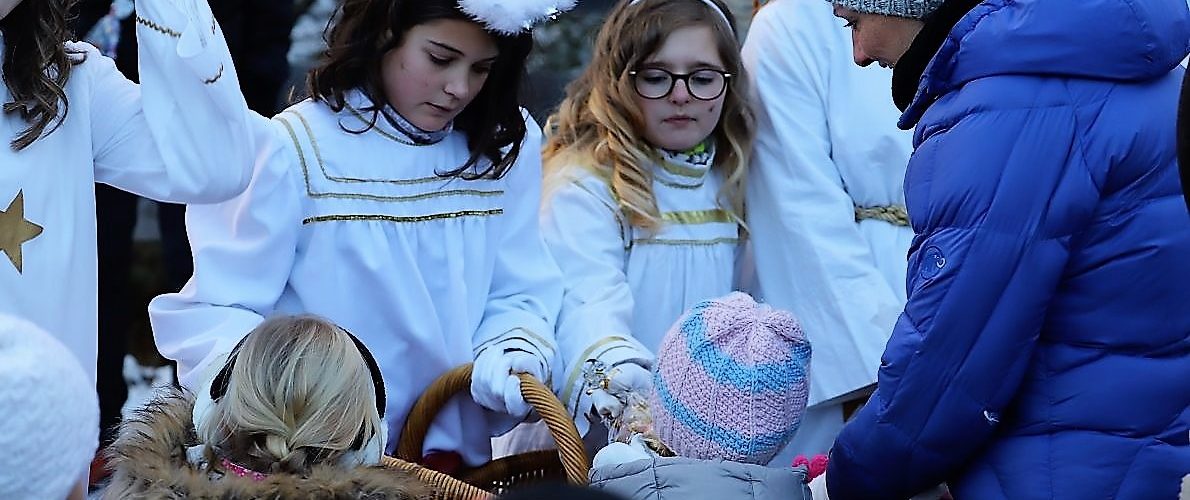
<point x="419" y="136"/>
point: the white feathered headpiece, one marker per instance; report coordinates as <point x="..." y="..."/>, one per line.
<point x="512" y="17"/>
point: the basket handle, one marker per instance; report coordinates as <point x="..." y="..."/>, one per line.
<point x="443" y="485"/>
<point x="571" y="450"/>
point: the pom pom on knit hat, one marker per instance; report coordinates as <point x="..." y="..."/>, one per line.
<point x="912" y="9"/>
<point x="49" y="414"/>
<point x="731" y="381"/>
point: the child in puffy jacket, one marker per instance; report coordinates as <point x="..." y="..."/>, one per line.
<point x="730" y="385"/>
<point x="296" y="411"/>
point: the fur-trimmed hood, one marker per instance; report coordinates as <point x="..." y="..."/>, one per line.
<point x="149" y="461"/>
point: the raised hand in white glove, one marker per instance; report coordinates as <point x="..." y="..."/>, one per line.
<point x="494" y="383"/>
<point x="622" y="380"/>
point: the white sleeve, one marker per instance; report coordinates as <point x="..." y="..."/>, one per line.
<point x="586" y="235"/>
<point x="243" y="251"/>
<point x="810" y="255"/>
<point x="183" y="135"/>
<point x="526" y="287"/>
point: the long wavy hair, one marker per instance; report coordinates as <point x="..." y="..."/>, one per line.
<point x="37" y="66"/>
<point x="362" y="31"/>
<point x="299" y="394"/>
<point x="599" y="127"/>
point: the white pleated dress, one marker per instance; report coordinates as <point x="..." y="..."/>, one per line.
<point x="360" y="229"/>
<point x="826" y="144"/>
<point x="625" y="286"/>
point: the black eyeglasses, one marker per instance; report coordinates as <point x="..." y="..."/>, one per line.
<point x="656" y="83"/>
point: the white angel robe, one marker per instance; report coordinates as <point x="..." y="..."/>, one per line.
<point x="827" y="143"/>
<point x="624" y="286"/>
<point x="153" y="140"/>
<point x="360" y="229"/>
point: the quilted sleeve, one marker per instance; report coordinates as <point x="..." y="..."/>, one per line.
<point x="995" y="196"/>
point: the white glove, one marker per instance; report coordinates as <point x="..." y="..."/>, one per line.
<point x="621" y="453"/>
<point x="622" y="380"/>
<point x="494" y="384"/>
<point x="203" y="404"/>
<point x="818" y="487"/>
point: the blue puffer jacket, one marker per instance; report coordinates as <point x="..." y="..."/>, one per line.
<point x="1044" y="352"/>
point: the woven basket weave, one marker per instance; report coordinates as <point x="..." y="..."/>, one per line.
<point x="443" y="487"/>
<point x="569" y="462"/>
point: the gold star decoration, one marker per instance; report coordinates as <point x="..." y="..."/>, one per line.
<point x="15" y="230"/>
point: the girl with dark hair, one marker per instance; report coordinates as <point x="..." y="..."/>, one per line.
<point x="399" y="201"/>
<point x="70" y="120"/>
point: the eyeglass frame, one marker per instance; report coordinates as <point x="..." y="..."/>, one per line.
<point x="674" y="78"/>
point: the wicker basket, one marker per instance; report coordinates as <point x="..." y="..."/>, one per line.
<point x="568" y="462"/>
<point x="443" y="487"/>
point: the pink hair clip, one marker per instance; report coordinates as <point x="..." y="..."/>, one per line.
<point x="242" y="471"/>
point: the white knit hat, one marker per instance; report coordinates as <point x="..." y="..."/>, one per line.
<point x="49" y="414"/>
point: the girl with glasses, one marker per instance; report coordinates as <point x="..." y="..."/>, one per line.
<point x="645" y="167"/>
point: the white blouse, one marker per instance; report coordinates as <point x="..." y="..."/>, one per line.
<point x="624" y="286"/>
<point x="826" y="144"/>
<point x="153" y="140"/>
<point x="360" y="229"/>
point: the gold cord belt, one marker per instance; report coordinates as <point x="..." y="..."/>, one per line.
<point x="892" y="214"/>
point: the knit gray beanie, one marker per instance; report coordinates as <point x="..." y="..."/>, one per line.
<point x="912" y="9"/>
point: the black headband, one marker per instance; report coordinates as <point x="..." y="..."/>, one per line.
<point x="222" y="380"/>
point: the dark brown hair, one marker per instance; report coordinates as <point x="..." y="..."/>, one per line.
<point x="37" y="66"/>
<point x="362" y="31"/>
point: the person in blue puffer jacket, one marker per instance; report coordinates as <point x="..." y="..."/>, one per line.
<point x="1044" y="352"/>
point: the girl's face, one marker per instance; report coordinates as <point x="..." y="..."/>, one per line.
<point x="679" y="121"/>
<point x="6" y="6"/>
<point x="437" y="70"/>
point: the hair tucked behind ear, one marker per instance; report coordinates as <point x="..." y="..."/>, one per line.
<point x="37" y="66"/>
<point x="599" y="127"/>
<point x="299" y="394"/>
<point x="364" y="30"/>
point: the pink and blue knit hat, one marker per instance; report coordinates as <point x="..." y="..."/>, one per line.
<point x="731" y="381"/>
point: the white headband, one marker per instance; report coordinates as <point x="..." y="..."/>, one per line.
<point x="513" y="17"/>
<point x="712" y="5"/>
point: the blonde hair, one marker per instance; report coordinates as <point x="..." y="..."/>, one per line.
<point x="299" y="393"/>
<point x="599" y="127"/>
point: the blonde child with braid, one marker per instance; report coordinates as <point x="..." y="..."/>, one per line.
<point x="296" y="412"/>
